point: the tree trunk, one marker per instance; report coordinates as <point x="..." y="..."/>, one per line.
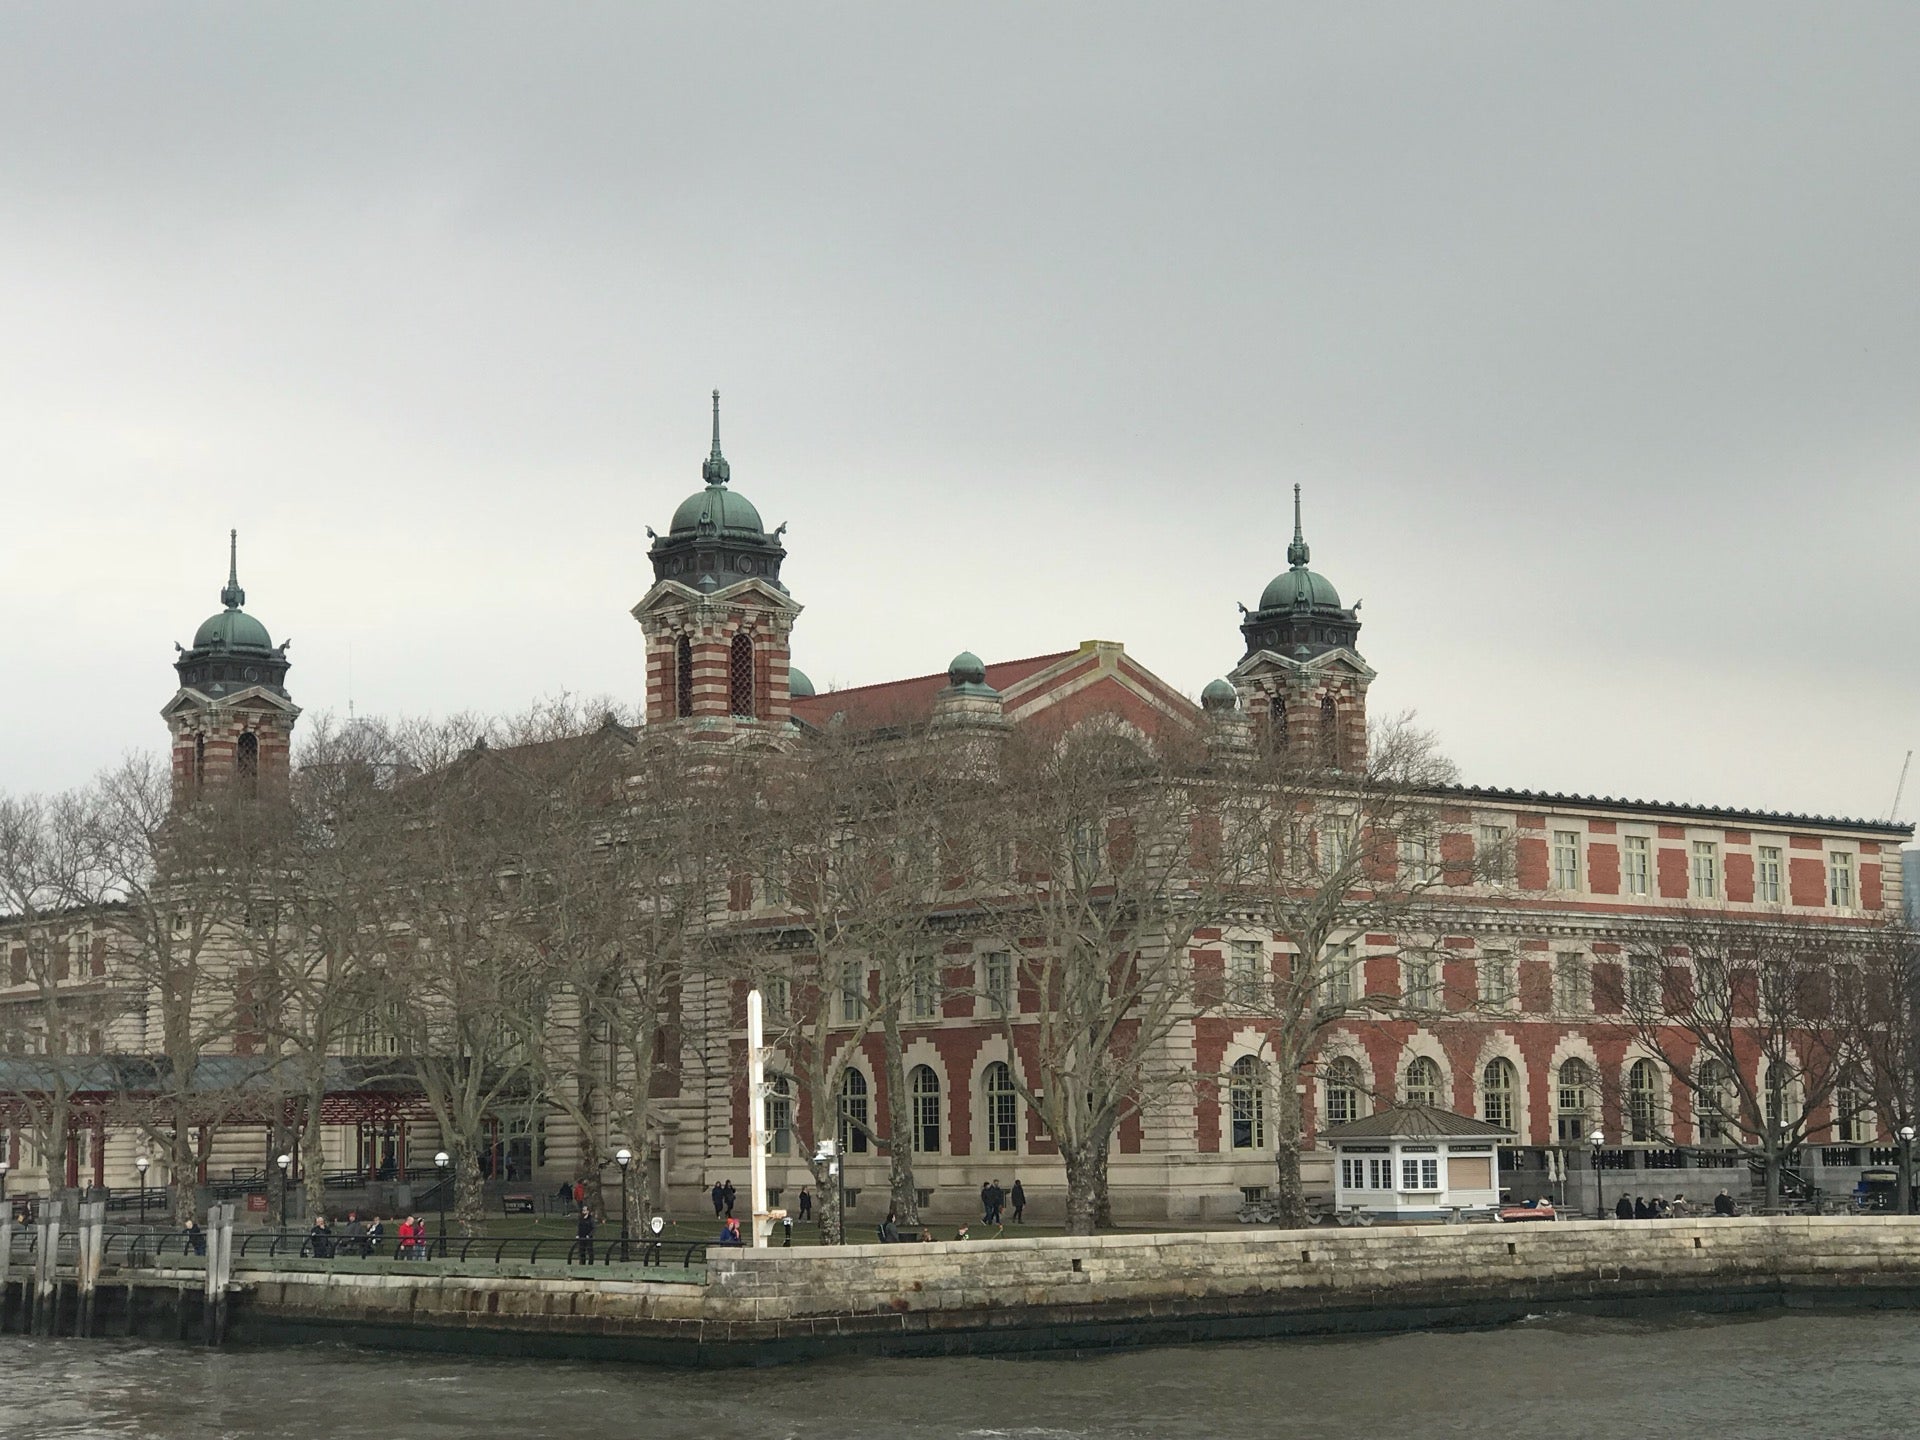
<point x="468" y="1201"/>
<point x="905" y="1199"/>
<point x="826" y="1205"/>
<point x="1085" y="1178"/>
<point x="183" y="1170"/>
<point x="1102" y="1196"/>
<point x="1289" y="1196"/>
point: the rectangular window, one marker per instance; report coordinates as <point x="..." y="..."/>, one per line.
<point x="1380" y="1174"/>
<point x="1643" y="983"/>
<point x="1706" y="870"/>
<point x="997" y="980"/>
<point x="776" y="996"/>
<point x="1336" y="984"/>
<point x="1338" y="837"/>
<point x="1245" y="985"/>
<point x="1766" y="875"/>
<point x="925" y="988"/>
<point x="853" y="991"/>
<point x="1636" y="863"/>
<point x="1417" y="865"/>
<point x="1840" y="880"/>
<point x="1496" y="978"/>
<point x="1715" y="989"/>
<point x="1421" y="1174"/>
<point x="1494" y="860"/>
<point x="1352" y="1172"/>
<point x="1570" y="984"/>
<point x="1421" y="985"/>
<point x="1566" y="859"/>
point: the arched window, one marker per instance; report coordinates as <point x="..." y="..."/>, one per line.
<point x="1247" y="1097"/>
<point x="1423" y="1082"/>
<point x="683" y="678"/>
<point x="1779" y="1078"/>
<point x="1713" y="1103"/>
<point x="1497" y="1084"/>
<point x="1277" y="723"/>
<point x="1574" y="1102"/>
<point x="199" y="761"/>
<point x="247" y="762"/>
<point x="1643" y="1101"/>
<point x="779" y="1115"/>
<point x="740" y="675"/>
<point x="1329" y="731"/>
<point x="1003" y="1109"/>
<point x="1344" y="1085"/>
<point x="924" y="1086"/>
<point x="1851" y="1123"/>
<point x="854" y="1115"/>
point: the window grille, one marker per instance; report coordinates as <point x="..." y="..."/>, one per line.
<point x="1497" y="1084"/>
<point x="683" y="677"/>
<point x="740" y="674"/>
<point x="1422" y="1083"/>
<point x="1343" y="1091"/>
<point x="1246" y="1092"/>
<point x="924" y="1087"/>
<point x="1003" y="1110"/>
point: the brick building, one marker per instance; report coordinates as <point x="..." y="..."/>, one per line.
<point x="1528" y="1048"/>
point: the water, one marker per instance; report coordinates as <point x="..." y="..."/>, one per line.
<point x="1572" y="1379"/>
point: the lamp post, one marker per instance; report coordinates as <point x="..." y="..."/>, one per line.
<point x="441" y="1161"/>
<point x="285" y="1162"/>
<point x="1906" y="1169"/>
<point x="623" y="1157"/>
<point x="1596" y="1140"/>
<point x="140" y="1163"/>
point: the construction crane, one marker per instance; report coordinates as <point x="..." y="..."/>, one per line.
<point x="1901" y="788"/>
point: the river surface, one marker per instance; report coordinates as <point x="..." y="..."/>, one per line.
<point x="1695" y="1378"/>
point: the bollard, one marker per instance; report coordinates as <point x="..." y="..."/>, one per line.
<point x="6" y="1264"/>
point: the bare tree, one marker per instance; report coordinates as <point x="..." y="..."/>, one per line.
<point x="1323" y="856"/>
<point x="1083" y="861"/>
<point x="1748" y="1020"/>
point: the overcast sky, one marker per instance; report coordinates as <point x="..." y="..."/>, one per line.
<point x="1592" y="333"/>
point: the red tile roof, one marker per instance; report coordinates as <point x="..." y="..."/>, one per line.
<point x="898" y="702"/>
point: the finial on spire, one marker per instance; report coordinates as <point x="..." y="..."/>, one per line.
<point x="233" y="597"/>
<point x="716" y="470"/>
<point x="1297" y="552"/>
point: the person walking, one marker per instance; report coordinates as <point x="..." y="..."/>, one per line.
<point x="195" y="1237"/>
<point x="1624" y="1210"/>
<point x="370" y="1242"/>
<point x="1019" y="1198"/>
<point x="403" y="1234"/>
<point x="583" y="1235"/>
<point x="806" y="1204"/>
<point x="719" y="1197"/>
<point x="986" y="1202"/>
<point x="727" y="1194"/>
<point x="996" y="1199"/>
<point x="889" y="1231"/>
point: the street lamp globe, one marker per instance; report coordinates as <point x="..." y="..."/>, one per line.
<point x="657" y="1224"/>
<point x="141" y="1163"/>
<point x="285" y="1162"/>
<point x="623" y="1157"/>
<point x="1907" y="1133"/>
<point x="442" y="1159"/>
<point x="1597" y="1139"/>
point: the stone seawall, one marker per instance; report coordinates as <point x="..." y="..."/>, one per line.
<point x="769" y="1305"/>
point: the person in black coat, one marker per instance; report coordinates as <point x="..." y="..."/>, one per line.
<point x="583" y="1233"/>
<point x="1641" y="1210"/>
<point x="1019" y="1199"/>
<point x="1723" y="1204"/>
<point x="719" y="1197"/>
<point x="727" y="1194"/>
<point x="1624" y="1210"/>
<point x="806" y="1204"/>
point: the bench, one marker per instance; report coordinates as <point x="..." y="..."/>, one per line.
<point x="516" y="1205"/>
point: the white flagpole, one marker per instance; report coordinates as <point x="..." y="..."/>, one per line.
<point x="757" y="1118"/>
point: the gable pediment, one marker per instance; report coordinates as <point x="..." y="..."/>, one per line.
<point x="252" y="697"/>
<point x="754" y="590"/>
<point x="1339" y="660"/>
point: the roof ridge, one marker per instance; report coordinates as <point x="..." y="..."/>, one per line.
<point x="937" y="674"/>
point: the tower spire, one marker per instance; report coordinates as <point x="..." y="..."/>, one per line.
<point x="1297" y="552"/>
<point x="233" y="597"/>
<point x="716" y="470"/>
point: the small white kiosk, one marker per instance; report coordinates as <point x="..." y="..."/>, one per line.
<point x="1416" y="1162"/>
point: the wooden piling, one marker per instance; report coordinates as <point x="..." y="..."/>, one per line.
<point x="86" y="1269"/>
<point x="219" y="1268"/>
<point x="46" y="1284"/>
<point x="6" y="1264"/>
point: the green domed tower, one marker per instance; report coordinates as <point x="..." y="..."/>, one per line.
<point x="1300" y="614"/>
<point x="232" y="719"/>
<point x="718" y="617"/>
<point x="1301" y="682"/>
